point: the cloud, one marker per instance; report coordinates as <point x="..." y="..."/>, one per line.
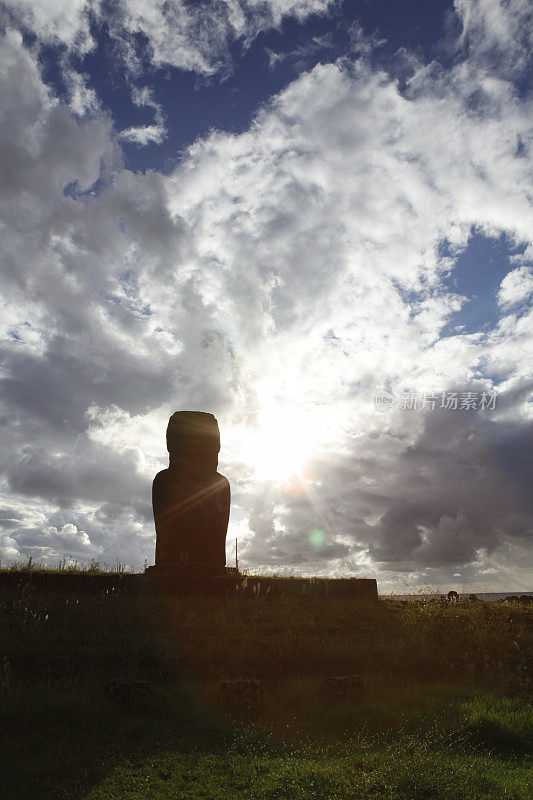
<point x="146" y="134"/>
<point x="498" y="34"/>
<point x="291" y="269"/>
<point x="302" y="55"/>
<point x="456" y="490"/>
<point x="516" y="287"/>
<point x="65" y="22"/>
<point x="452" y="493"/>
<point x="187" y="35"/>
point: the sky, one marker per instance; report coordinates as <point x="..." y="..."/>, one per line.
<point x="312" y="219"/>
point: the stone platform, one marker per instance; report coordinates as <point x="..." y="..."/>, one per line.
<point x="228" y="581"/>
<point x="196" y="570"/>
<point x="186" y="581"/>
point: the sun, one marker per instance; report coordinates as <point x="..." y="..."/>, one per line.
<point x="285" y="438"/>
<point x="279" y="443"/>
<point x="282" y="445"/>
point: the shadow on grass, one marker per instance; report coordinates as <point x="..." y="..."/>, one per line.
<point x="60" y="732"/>
<point x="59" y="742"/>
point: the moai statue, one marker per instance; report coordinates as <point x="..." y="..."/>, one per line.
<point x="191" y="499"/>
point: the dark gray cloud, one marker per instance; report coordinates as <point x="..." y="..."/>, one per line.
<point x="93" y="473"/>
<point x="57" y="386"/>
<point x="461" y="487"/>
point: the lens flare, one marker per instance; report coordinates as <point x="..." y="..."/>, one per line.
<point x="317" y="538"/>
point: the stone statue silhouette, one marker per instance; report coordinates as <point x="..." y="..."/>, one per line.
<point x="191" y="499"/>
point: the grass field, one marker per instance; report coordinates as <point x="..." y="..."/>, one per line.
<point x="445" y="713"/>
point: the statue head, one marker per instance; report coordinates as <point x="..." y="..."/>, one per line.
<point x="193" y="441"/>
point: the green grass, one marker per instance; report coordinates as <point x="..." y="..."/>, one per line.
<point x="376" y="774"/>
<point x="445" y="713"/>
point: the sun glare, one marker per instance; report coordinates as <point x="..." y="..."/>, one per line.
<point x="279" y="444"/>
<point x="282" y="444"/>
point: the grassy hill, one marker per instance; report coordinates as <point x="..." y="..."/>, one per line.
<point x="445" y="712"/>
